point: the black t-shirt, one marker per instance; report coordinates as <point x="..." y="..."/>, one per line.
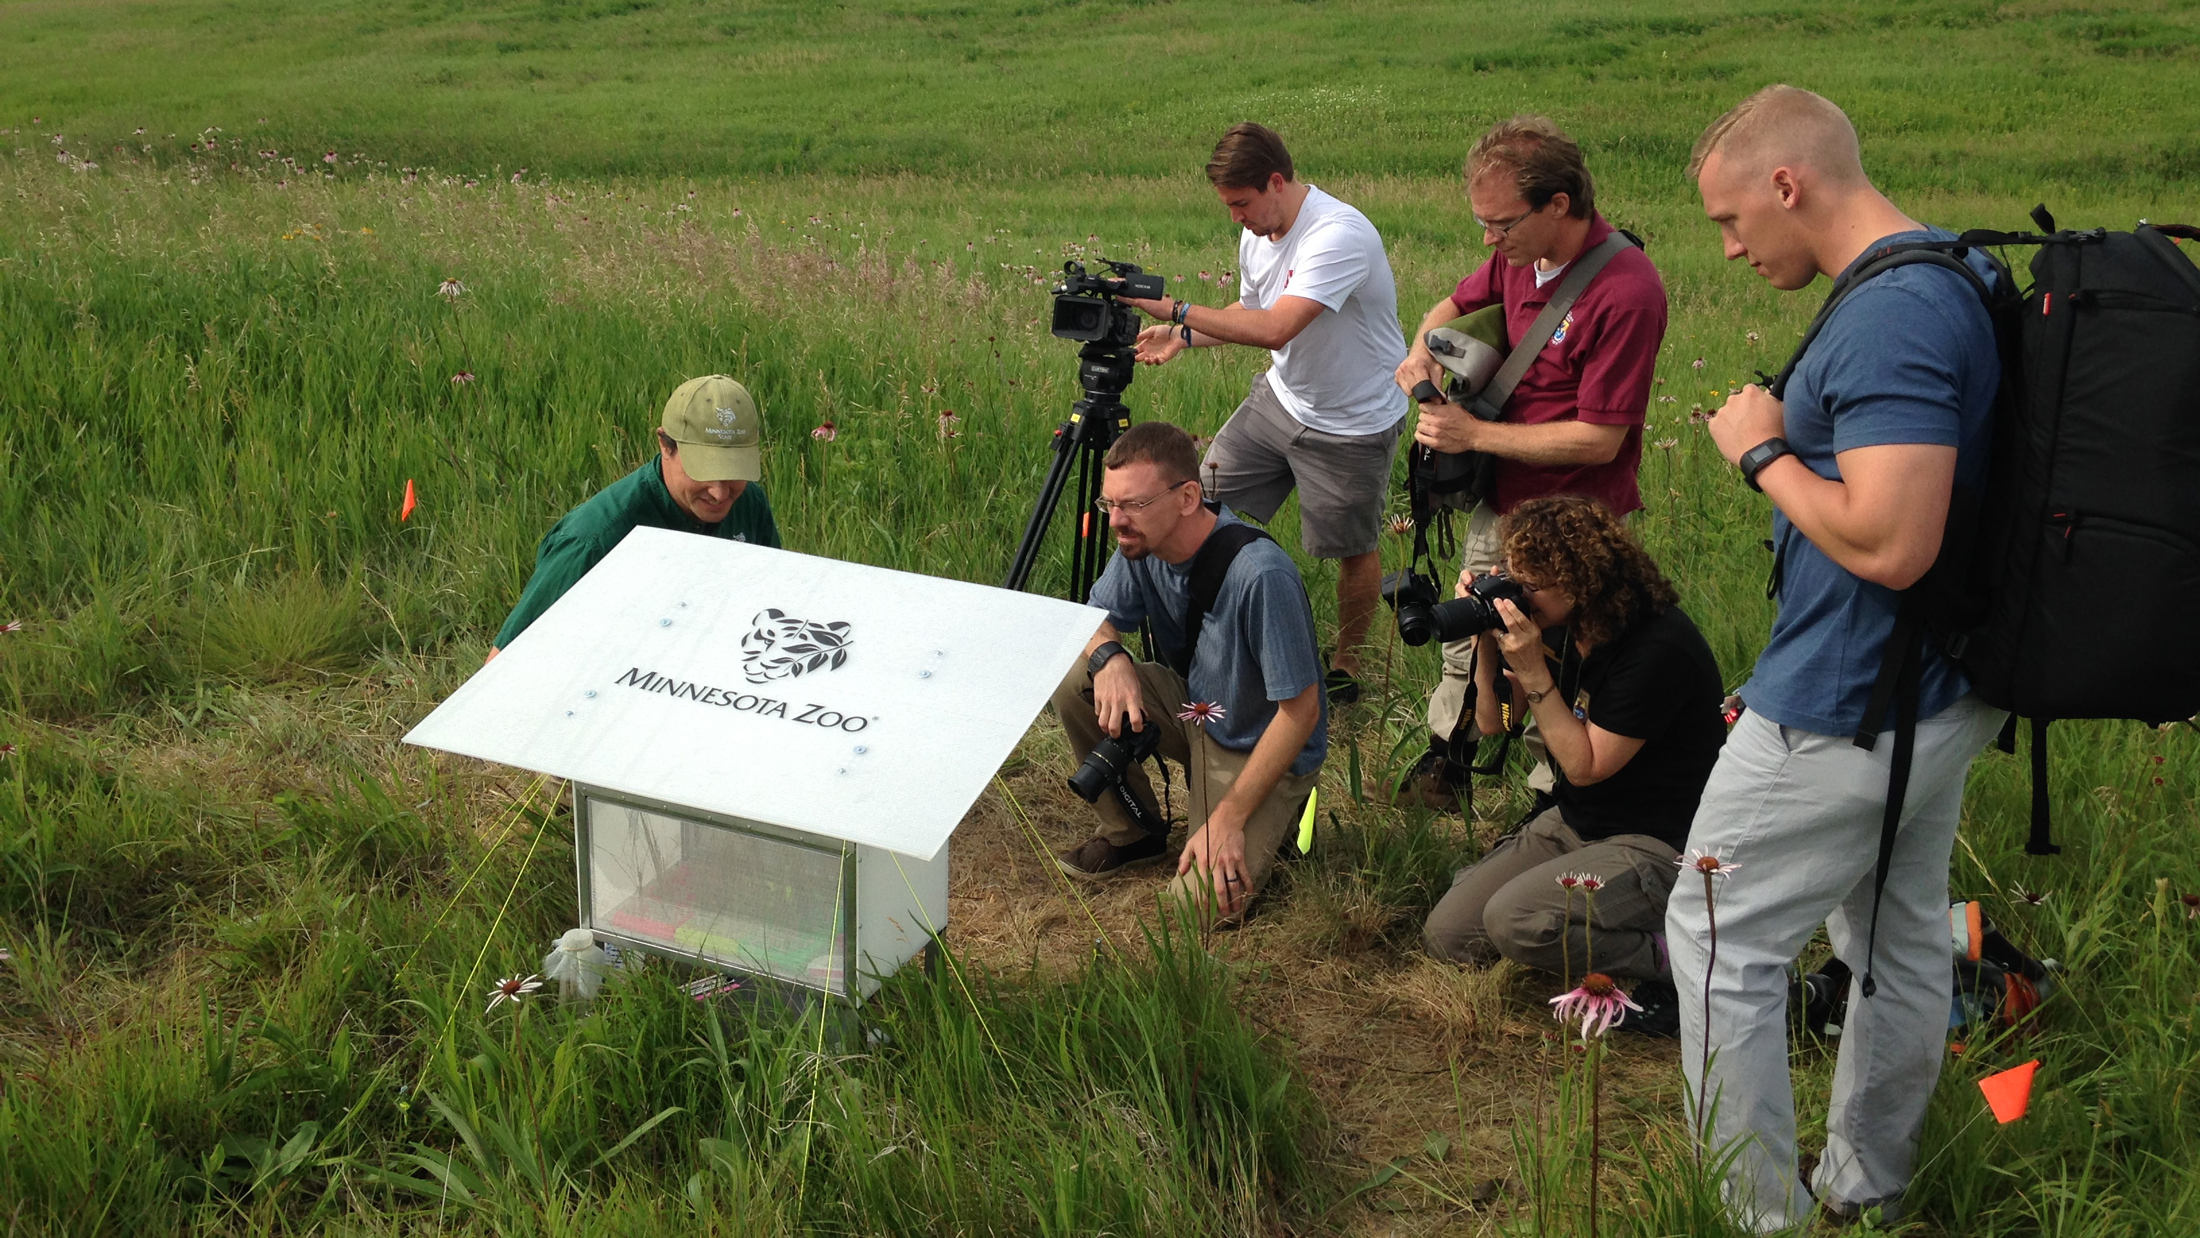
<point x="1658" y="683"/>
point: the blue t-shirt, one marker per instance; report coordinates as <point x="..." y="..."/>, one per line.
<point x="1256" y="647"/>
<point x="1908" y="357"/>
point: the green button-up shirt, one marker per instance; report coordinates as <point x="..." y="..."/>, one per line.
<point x="588" y="532"/>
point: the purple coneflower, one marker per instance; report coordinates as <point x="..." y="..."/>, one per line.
<point x="2192" y="905"/>
<point x="1666" y="444"/>
<point x="825" y="433"/>
<point x="948" y="422"/>
<point x="1401" y="526"/>
<point x="7" y="750"/>
<point x="1200" y="713"/>
<point x="329" y="157"/>
<point x="1707" y="863"/>
<point x="1599" y="1003"/>
<point x="1697" y="364"/>
<point x="12" y="625"/>
<point x="512" y="988"/>
<point x="461" y="378"/>
<point x="450" y="289"/>
<point x="2031" y="898"/>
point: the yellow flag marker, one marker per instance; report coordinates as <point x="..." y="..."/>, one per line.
<point x="1306" y="823"/>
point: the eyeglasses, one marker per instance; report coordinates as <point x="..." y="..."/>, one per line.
<point x="1504" y="229"/>
<point x="1109" y="507"/>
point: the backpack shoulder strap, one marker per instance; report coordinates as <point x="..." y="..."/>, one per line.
<point x="1938" y="253"/>
<point x="1539" y="333"/>
<point x="1209" y="566"/>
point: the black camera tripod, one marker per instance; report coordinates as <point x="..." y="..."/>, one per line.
<point x="1105" y="366"/>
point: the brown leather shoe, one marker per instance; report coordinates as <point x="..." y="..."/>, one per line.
<point x="1097" y="859"/>
<point x="1432" y="783"/>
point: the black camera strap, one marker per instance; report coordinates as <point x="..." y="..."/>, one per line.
<point x="1209" y="566"/>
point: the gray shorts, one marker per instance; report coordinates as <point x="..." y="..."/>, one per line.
<point x="1262" y="453"/>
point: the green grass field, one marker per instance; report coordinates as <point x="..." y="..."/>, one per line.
<point x="249" y="935"/>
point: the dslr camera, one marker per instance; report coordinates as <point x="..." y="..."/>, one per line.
<point x="1422" y="618"/>
<point x="1106" y="764"/>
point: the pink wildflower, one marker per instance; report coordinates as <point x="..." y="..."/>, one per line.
<point x="461" y="378"/>
<point x="12" y="625"/>
<point x="948" y="422"/>
<point x="1200" y="713"/>
<point x="825" y="433"/>
<point x="1598" y="1003"/>
<point x="329" y="157"/>
<point x="450" y="289"/>
<point x="2031" y="898"/>
<point x="1401" y="526"/>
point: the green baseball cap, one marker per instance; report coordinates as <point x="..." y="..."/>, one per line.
<point x="720" y="433"/>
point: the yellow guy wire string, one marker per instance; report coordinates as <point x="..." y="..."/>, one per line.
<point x="932" y="930"/>
<point x="1046" y="861"/>
<point x="518" y="811"/>
<point x="489" y="938"/>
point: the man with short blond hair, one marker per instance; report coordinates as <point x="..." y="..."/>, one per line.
<point x="1574" y="423"/>
<point x="1322" y="419"/>
<point x="1883" y="416"/>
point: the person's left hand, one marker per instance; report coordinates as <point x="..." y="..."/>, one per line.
<point x="1446" y="427"/>
<point x="1218" y="849"/>
<point x="1747" y="418"/>
<point x="1522" y="644"/>
<point x="1158" y="307"/>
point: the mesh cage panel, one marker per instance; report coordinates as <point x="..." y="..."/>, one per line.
<point x="725" y="896"/>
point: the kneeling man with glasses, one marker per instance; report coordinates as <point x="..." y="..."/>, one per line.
<point x="1236" y="699"/>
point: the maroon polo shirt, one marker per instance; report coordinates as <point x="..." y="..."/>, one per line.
<point x="1597" y="367"/>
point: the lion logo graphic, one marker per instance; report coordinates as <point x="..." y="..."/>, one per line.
<point x="778" y="647"/>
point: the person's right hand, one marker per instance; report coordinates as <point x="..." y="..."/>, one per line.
<point x="1158" y="344"/>
<point x="1419" y="366"/>
<point x="1116" y="692"/>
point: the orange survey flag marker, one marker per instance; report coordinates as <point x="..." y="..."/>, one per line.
<point x="2009" y="1092"/>
<point x="405" y="512"/>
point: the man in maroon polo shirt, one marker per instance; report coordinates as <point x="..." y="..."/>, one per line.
<point x="1574" y="424"/>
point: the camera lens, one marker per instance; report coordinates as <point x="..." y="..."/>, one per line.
<point x="1415" y="625"/>
<point x="1461" y="618"/>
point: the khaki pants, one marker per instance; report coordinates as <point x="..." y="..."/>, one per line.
<point x="1478" y="550"/>
<point x="1510" y="903"/>
<point x="1210" y="768"/>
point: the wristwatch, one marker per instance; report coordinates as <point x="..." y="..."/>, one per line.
<point x="1536" y="698"/>
<point x="1104" y="655"/>
<point x="1756" y="458"/>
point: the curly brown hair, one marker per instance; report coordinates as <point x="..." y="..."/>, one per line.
<point x="1576" y="544"/>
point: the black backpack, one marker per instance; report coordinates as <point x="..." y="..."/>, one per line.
<point x="2092" y="499"/>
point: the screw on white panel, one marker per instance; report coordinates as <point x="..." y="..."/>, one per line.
<point x="860" y="750"/>
<point x="924" y="674"/>
<point x="842" y="770"/>
<point x="568" y="713"/>
<point x="590" y="693"/>
<point x="664" y="623"/>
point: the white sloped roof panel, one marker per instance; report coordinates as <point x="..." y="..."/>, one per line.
<point x="849" y="701"/>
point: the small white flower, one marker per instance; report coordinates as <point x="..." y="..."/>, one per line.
<point x="512" y="988"/>
<point x="450" y="289"/>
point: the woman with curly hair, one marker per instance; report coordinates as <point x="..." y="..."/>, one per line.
<point x="1627" y="696"/>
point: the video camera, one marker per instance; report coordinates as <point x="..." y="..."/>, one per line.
<point x="1085" y="306"/>
<point x="1422" y="618"/>
<point x="1106" y="764"/>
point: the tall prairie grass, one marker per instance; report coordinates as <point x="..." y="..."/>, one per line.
<point x="249" y="938"/>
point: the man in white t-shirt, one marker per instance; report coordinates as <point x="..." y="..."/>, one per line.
<point x="1325" y="417"/>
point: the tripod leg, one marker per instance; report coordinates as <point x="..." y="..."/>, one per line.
<point x="1042" y="513"/>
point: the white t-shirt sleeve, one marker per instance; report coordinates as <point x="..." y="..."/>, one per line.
<point x="1329" y="267"/>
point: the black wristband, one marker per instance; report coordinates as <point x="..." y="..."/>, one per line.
<point x="1756" y="458"/>
<point x="1104" y="655"/>
<point x="1177" y="312"/>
